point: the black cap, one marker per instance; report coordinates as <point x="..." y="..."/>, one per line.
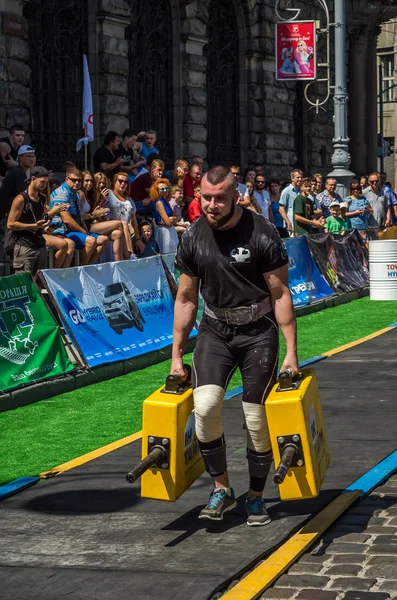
<point x="37" y="172"/>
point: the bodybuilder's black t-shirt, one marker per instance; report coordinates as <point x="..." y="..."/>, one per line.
<point x="230" y="263"/>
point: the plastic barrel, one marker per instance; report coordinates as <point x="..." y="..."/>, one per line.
<point x="383" y="270"/>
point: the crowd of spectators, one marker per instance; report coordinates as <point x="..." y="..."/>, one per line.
<point x="131" y="201"/>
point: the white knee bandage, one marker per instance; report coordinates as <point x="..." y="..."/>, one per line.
<point x="257" y="431"/>
<point x="208" y="400"/>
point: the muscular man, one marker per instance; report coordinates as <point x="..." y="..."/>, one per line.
<point x="240" y="263"/>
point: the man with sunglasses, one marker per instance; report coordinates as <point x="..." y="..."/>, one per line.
<point x="262" y="197"/>
<point x="378" y="200"/>
<point x="69" y="223"/>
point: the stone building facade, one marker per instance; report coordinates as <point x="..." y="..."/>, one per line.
<point x="199" y="72"/>
<point x="387" y="57"/>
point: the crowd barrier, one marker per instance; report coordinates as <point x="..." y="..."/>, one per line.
<point x="124" y="310"/>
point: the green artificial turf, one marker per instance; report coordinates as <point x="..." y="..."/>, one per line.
<point x="45" y="434"/>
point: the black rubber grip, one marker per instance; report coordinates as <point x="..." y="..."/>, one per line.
<point x="153" y="459"/>
<point x="285" y="379"/>
<point x="287" y="457"/>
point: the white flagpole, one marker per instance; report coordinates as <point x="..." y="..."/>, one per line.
<point x="88" y="121"/>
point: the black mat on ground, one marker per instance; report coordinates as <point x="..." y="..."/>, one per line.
<point x="88" y="535"/>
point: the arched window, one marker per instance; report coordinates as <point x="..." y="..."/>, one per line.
<point x="58" y="37"/>
<point x="223" y="123"/>
<point x="150" y="75"/>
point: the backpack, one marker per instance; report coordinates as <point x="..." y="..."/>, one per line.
<point x="9" y="235"/>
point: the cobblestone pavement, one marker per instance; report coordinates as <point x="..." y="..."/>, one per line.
<point x="356" y="559"/>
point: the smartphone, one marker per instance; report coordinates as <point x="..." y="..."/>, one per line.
<point x="45" y="217"/>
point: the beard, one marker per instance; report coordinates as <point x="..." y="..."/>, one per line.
<point x="217" y="223"/>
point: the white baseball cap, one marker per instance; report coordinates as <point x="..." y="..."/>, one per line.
<point x="26" y="150"/>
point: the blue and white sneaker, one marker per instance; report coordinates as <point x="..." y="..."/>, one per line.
<point x="219" y="503"/>
<point x="256" y="511"/>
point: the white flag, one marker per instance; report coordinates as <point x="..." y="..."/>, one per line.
<point x="88" y="117"/>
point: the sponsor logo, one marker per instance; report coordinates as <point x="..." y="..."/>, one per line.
<point x="16" y="326"/>
<point x="240" y="254"/>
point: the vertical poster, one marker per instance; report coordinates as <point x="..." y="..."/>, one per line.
<point x="296" y="50"/>
<point x="31" y="346"/>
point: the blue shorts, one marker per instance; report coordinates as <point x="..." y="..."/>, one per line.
<point x="80" y="238"/>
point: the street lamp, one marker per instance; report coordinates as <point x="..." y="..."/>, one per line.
<point x="341" y="156"/>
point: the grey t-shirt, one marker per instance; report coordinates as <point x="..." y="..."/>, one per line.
<point x="378" y="202"/>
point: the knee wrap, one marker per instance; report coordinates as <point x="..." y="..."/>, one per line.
<point x="208" y="401"/>
<point x="215" y="459"/>
<point x="259" y="463"/>
<point x="257" y="431"/>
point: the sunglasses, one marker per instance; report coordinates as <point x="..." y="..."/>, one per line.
<point x="260" y="182"/>
<point x="355" y="187"/>
<point x="374" y="181"/>
<point x="74" y="179"/>
<point x="164" y="189"/>
<point x="122" y="181"/>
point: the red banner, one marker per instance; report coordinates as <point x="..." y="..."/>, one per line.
<point x="296" y="50"/>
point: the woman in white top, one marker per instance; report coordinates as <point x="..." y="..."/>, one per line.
<point x="121" y="207"/>
<point x="98" y="215"/>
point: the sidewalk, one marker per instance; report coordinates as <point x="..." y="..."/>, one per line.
<point x="356" y="559"/>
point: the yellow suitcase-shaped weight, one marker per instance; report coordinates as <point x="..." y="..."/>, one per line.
<point x="297" y="435"/>
<point x="171" y="457"/>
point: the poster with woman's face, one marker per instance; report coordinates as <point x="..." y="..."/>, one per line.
<point x="296" y="50"/>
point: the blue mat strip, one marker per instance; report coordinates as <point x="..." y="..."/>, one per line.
<point x="13" y="487"/>
<point x="375" y="476"/>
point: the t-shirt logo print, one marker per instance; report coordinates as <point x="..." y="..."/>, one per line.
<point x="240" y="254"/>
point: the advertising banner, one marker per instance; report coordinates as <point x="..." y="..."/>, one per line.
<point x="304" y="278"/>
<point x="115" y="310"/>
<point x="31" y="346"/>
<point x="343" y="261"/>
<point x="296" y="50"/>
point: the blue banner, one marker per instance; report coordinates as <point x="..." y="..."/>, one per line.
<point x="115" y="310"/>
<point x="305" y="280"/>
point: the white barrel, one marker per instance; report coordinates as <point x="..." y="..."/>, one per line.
<point x="383" y="270"/>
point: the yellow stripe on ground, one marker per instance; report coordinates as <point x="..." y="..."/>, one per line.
<point x="80" y="460"/>
<point x="357" y="342"/>
<point x="261" y="578"/>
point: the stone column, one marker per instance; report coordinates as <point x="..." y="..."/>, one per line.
<point x="371" y="123"/>
<point x="358" y="83"/>
<point x="14" y="67"/>
<point x="193" y="65"/>
<point x="111" y="89"/>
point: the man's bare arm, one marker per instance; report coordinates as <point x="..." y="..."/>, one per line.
<point x="185" y="313"/>
<point x="277" y="282"/>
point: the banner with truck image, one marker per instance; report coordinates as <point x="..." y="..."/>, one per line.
<point x="115" y="310"/>
<point x="31" y="347"/>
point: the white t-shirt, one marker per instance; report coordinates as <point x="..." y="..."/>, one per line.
<point x="120" y="211"/>
<point x="263" y="201"/>
<point x="242" y="190"/>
